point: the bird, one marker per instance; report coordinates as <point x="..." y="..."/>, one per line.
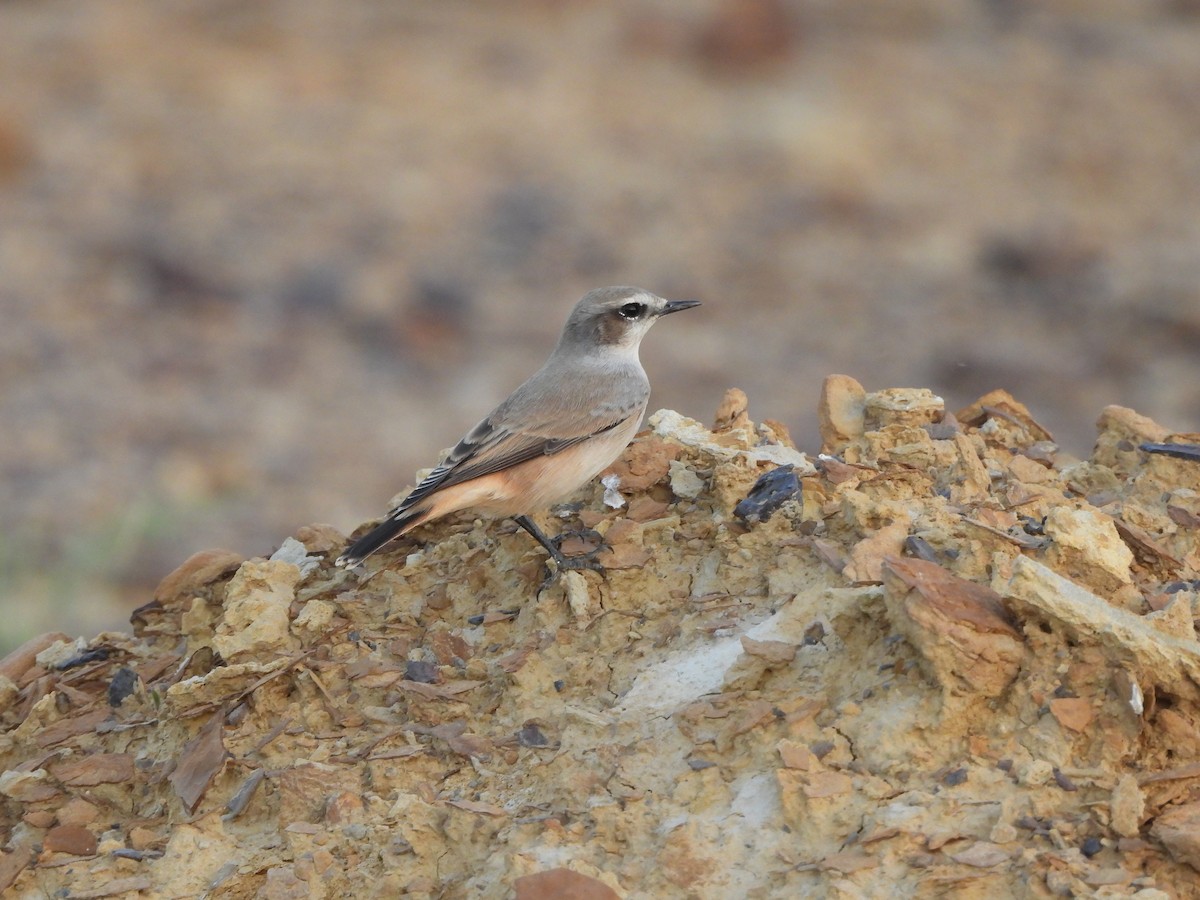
<point x="568" y="422"/>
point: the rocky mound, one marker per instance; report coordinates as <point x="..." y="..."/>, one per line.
<point x="946" y="660"/>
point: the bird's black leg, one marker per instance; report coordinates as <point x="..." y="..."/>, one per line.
<point x="563" y="562"/>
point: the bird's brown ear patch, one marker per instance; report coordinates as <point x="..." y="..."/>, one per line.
<point x="612" y="327"/>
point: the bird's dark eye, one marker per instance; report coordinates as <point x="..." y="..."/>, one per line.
<point x="632" y="310"/>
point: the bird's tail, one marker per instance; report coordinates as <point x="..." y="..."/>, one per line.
<point x="393" y="526"/>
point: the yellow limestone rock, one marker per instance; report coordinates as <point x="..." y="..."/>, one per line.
<point x="841" y="411"/>
<point x="256" y="610"/>
<point x="1086" y="547"/>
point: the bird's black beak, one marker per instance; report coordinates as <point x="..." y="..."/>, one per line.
<point x="677" y="305"/>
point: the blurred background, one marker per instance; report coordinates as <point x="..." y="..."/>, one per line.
<point x="261" y="261"/>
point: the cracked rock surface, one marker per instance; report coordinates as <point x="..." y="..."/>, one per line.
<point x="958" y="662"/>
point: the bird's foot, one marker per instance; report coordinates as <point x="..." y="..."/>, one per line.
<point x="561" y="563"/>
<point x="582" y="542"/>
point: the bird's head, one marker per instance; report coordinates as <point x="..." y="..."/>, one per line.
<point x="616" y="318"/>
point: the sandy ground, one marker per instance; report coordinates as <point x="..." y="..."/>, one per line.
<point x="260" y="262"/>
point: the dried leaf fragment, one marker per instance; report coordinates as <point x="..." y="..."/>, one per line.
<point x="13" y="863"/>
<point x="1179" y="830"/>
<point x="645" y="463"/>
<point x="646" y="509"/>
<point x="447" y="691"/>
<point x="514" y="661"/>
<point x="73" y="839"/>
<point x="962" y="599"/>
<point x="94" y="769"/>
<point x="627" y="555"/>
<point x="449" y="647"/>
<point x="65" y="729"/>
<point x="16" y="663"/>
<point x="555" y="884"/>
<point x="475" y="806"/>
<point x="959" y="627"/>
<point x="28" y="787"/>
<point x="202" y="758"/>
<point x="461" y="741"/>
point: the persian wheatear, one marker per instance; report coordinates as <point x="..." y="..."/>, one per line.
<point x="556" y="432"/>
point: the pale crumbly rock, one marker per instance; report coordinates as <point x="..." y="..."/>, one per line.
<point x="900" y="683"/>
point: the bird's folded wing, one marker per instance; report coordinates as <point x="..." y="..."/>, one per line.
<point x="489" y="448"/>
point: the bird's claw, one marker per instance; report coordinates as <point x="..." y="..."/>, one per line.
<point x="585" y="561"/>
